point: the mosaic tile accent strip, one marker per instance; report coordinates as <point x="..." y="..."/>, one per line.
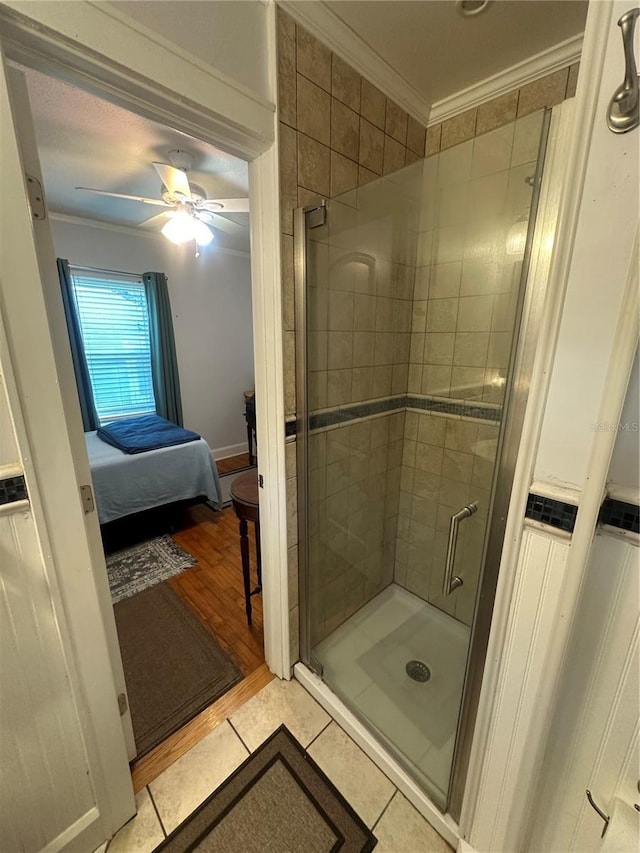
<point x="619" y="514"/>
<point x="13" y="489"/>
<point x="455" y="407"/>
<point x="553" y="512"/>
<point x="319" y="420"/>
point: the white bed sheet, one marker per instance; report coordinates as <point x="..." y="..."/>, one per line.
<point x="126" y="483"/>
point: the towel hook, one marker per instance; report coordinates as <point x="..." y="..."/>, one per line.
<point x="623" y="114"/>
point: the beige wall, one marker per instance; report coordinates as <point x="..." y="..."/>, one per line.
<point x="546" y="92"/>
<point x="463" y="319"/>
<point x="338" y="132"/>
<point x="447" y="463"/>
<point x="431" y="316"/>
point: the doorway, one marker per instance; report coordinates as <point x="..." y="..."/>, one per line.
<point x="107" y="255"/>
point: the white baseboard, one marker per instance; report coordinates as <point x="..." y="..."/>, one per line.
<point x="230" y="450"/>
<point x="444" y="825"/>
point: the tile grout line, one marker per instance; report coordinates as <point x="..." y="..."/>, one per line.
<point x="382" y="813"/>
<point x="155" y="808"/>
<point x="237" y="734"/>
<point x="323" y="729"/>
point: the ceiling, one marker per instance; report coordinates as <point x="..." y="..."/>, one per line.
<point x="85" y="141"/>
<point x="439" y="52"/>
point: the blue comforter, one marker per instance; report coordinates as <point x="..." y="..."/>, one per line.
<point x="146" y="432"/>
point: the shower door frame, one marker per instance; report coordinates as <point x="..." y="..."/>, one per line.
<point x="302" y="423"/>
<point x="526" y="326"/>
<point x="527" y="319"/>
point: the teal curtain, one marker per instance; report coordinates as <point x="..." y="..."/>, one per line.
<point x="164" y="364"/>
<point x="83" y="380"/>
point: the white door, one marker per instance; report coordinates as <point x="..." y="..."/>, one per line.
<point x="51" y="560"/>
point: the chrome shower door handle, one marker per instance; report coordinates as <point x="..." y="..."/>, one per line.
<point x="450" y="582"/>
<point x="624" y="108"/>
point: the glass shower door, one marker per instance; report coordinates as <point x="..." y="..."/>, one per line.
<point x="409" y="312"/>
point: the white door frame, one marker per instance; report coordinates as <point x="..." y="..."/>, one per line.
<point x="49" y="460"/>
<point x="94" y="48"/>
<point x="591" y="308"/>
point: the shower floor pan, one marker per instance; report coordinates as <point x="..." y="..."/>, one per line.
<point x="365" y="663"/>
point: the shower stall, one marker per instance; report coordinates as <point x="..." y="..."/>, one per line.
<point x="409" y="298"/>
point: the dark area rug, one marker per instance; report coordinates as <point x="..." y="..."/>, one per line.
<point x="173" y="666"/>
<point x="277" y="800"/>
<point x="134" y="569"/>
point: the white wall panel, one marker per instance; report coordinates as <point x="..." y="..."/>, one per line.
<point x="43" y="759"/>
<point x="595" y="732"/>
<point x="625" y="462"/>
<point x="540" y="575"/>
<point x="8" y="447"/>
<point x="595" y="289"/>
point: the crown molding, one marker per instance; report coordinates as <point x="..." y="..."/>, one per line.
<point x="527" y="71"/>
<point x="327" y="26"/>
<point x="130" y="231"/>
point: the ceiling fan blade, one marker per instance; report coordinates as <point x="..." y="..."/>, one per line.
<point x="229" y="205"/>
<point x="144" y="200"/>
<point x="223" y="224"/>
<point x="175" y="180"/>
<point x="159" y="219"/>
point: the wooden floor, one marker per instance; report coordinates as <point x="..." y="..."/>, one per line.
<point x="233" y="463"/>
<point x="150" y="766"/>
<point x="213" y="588"/>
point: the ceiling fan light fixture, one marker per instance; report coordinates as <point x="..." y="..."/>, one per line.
<point x="179" y="229"/>
<point x="201" y="233"/>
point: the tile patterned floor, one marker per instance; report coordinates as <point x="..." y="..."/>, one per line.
<point x="183" y="786"/>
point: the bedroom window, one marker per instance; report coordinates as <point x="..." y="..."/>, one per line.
<point x="114" y="321"/>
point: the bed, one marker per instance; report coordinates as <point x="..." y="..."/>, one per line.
<point x="124" y="484"/>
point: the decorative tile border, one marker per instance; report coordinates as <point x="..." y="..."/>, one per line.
<point x="12" y="490"/>
<point x="552" y="512"/>
<point x="290" y="428"/>
<point x="557" y="513"/>
<point x="483" y="412"/>
<point x="459" y="408"/>
<point x="624" y="516"/>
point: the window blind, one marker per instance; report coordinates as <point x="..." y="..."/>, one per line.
<point x="114" y="321"/>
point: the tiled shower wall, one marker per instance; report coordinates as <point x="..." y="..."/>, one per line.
<point x="338" y="132"/>
<point x="354" y="481"/>
<point x="360" y="290"/>
<point x="465" y="299"/>
<point x="447" y="463"/>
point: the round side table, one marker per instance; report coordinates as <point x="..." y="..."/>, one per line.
<point x="244" y="497"/>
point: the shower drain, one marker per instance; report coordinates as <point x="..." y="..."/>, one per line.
<point x="418" y="671"/>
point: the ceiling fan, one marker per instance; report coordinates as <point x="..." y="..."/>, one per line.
<point x="190" y="215"/>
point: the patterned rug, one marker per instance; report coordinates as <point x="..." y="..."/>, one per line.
<point x="278" y="800"/>
<point x="147" y="564"/>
